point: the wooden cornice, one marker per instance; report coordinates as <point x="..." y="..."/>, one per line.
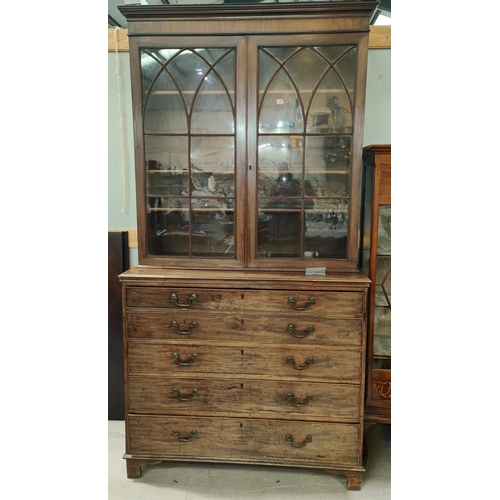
<point x="380" y="38"/>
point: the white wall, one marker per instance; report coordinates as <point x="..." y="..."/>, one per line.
<point x="378" y="98"/>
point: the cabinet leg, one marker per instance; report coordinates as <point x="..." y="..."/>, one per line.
<point x="353" y="478"/>
<point x="134" y="466"/>
<point x="366" y="427"/>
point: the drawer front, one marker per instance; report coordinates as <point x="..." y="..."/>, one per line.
<point x="286" y="302"/>
<point x="185" y="299"/>
<point x="304" y="303"/>
<point x="149" y="394"/>
<point x="253" y="440"/>
<point x="187" y="325"/>
<point x="305" y="362"/>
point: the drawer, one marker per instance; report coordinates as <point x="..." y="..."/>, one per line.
<point x="244" y="440"/>
<point x="192" y="299"/>
<point x="149" y="394"/>
<point x="266" y="302"/>
<point x="187" y="325"/>
<point x="304" y="362"/>
<point x="297" y="304"/>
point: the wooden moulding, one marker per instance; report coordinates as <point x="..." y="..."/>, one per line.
<point x="380" y="38"/>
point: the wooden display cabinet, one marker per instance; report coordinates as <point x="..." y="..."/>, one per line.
<point x="376" y="262"/>
<point x="245" y="320"/>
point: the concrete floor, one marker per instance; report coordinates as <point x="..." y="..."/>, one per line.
<point x="200" y="481"/>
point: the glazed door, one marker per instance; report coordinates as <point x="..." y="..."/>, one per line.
<point x="190" y="121"/>
<point x="247" y="146"/>
<point x="301" y="129"/>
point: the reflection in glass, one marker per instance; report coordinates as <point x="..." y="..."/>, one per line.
<point x="165" y="109"/>
<point x="212" y="227"/>
<point x="280" y="165"/>
<point x="326" y="229"/>
<point x="168" y="226"/>
<point x="213" y="107"/>
<point x="189" y="146"/>
<point x="304" y="150"/>
<point x="167" y="154"/>
<point x="384" y="230"/>
<point x="212" y="166"/>
<point x="382" y="332"/>
<point x="383" y="281"/>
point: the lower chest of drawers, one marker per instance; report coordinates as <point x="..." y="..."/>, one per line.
<point x="242" y="375"/>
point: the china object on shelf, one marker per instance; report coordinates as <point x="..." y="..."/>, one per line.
<point x="375" y="260"/>
<point x="248" y="126"/>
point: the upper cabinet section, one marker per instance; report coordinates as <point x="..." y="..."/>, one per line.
<point x="248" y="121"/>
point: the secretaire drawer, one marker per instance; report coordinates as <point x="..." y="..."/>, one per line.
<point x="252" y="440"/>
<point x="306" y="362"/>
<point x="194" y="325"/>
<point x="204" y="396"/>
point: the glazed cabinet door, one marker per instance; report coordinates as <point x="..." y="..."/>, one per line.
<point x="303" y="120"/>
<point x="248" y="149"/>
<point x="189" y="113"/>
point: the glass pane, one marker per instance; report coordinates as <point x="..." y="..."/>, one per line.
<point x="189" y="146"/>
<point x="326" y="229"/>
<point x="280" y="166"/>
<point x="187" y="69"/>
<point x="384" y="230"/>
<point x="212" y="166"/>
<point x="281" y="111"/>
<point x="166" y="155"/>
<point x="279" y="231"/>
<point x="306" y="68"/>
<point x="382" y="332"/>
<point x="212" y="227"/>
<point x="268" y="68"/>
<point x="165" y="109"/>
<point x="303" y="176"/>
<point x="383" y="281"/>
<point x="344" y="59"/>
<point x="168" y="226"/>
<point x="323" y="170"/>
<point x="213" y="107"/>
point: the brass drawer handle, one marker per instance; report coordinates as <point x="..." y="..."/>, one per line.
<point x="175" y="300"/>
<point x="177" y="394"/>
<point x="192" y="434"/>
<point x="291" y="398"/>
<point x="192" y="326"/>
<point x="308" y="439"/>
<point x="310" y="302"/>
<point x="293" y="331"/>
<point x="193" y="357"/>
<point x="291" y="361"/>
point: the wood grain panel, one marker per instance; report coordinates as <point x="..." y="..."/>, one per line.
<point x="243" y="439"/>
<point x="328" y="305"/>
<point x="239" y="328"/>
<point x="333" y="402"/>
<point x="379" y="38"/>
<point x="259" y="361"/>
